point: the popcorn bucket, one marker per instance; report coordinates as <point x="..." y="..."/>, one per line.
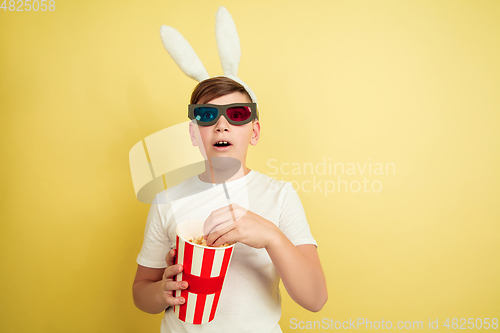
<point x="204" y="269"/>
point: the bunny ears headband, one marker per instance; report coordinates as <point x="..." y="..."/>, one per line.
<point x="228" y="44"/>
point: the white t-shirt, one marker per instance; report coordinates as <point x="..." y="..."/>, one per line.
<point x="250" y="299"/>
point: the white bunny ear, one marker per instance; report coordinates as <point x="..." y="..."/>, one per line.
<point x="183" y="54"/>
<point x="228" y="42"/>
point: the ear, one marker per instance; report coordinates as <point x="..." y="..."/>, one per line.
<point x="228" y="42"/>
<point x="255" y="133"/>
<point x="183" y="54"/>
<point x="192" y="134"/>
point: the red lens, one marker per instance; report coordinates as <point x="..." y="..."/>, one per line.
<point x="239" y="113"/>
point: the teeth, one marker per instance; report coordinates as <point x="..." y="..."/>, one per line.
<point x="222" y="142"/>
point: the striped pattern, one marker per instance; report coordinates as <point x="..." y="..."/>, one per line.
<point x="205" y="263"/>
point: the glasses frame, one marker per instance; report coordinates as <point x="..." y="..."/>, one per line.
<point x="222" y="111"/>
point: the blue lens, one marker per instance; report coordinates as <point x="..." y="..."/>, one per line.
<point x="205" y="114"/>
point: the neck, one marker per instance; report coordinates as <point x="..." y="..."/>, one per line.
<point x="223" y="172"/>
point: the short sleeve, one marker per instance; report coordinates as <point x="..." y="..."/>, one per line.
<point x="293" y="221"/>
<point x="156" y="242"/>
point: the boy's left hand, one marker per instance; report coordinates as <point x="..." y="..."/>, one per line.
<point x="249" y="228"/>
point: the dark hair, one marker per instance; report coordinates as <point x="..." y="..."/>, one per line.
<point x="215" y="87"/>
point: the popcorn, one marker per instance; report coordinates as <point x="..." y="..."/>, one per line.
<point x="205" y="269"/>
<point x="201" y="241"/>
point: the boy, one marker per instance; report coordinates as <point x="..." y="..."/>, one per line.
<point x="267" y="222"/>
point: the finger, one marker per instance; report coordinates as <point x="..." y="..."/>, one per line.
<point x="220" y="226"/>
<point x="214" y="236"/>
<point x="175" y="285"/>
<point x="170" y="258"/>
<point x="235" y="214"/>
<point x="231" y="213"/>
<point x="172" y="271"/>
<point x="218" y="211"/>
<point x="214" y="220"/>
<point x="172" y="301"/>
<point x="229" y="237"/>
<point x="220" y="218"/>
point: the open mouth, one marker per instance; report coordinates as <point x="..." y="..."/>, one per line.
<point x="222" y="144"/>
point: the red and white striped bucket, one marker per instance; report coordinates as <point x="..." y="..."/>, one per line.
<point x="204" y="269"/>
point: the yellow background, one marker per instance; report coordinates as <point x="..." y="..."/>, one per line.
<point x="413" y="83"/>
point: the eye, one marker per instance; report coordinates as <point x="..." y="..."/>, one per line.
<point x="208" y="116"/>
<point x="205" y="114"/>
<point x="239" y="113"/>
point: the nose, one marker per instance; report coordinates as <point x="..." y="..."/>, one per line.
<point x="222" y="124"/>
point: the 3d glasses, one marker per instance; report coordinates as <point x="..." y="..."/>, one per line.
<point x="236" y="113"/>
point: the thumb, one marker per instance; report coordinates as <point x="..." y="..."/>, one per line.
<point x="170" y="258"/>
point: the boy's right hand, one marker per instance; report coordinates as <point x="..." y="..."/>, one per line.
<point x="168" y="285"/>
